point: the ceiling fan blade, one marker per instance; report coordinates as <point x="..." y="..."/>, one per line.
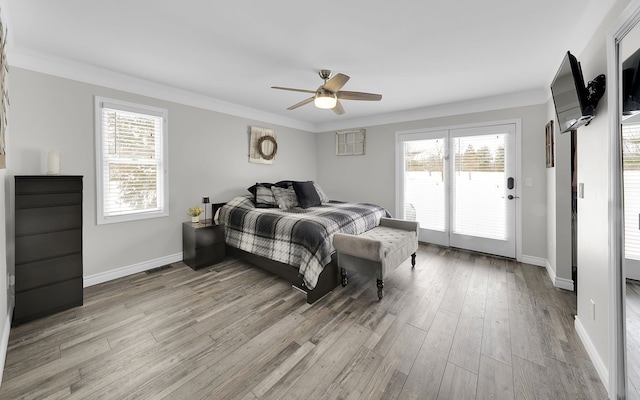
<point x="338" y="108"/>
<point x="303" y="102"/>
<point x="293" y="90"/>
<point x="346" y="95"/>
<point x="336" y="83"/>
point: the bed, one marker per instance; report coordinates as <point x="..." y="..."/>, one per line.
<point x="295" y="243"/>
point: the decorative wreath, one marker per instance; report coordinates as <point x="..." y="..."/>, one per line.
<point x="267" y="138"/>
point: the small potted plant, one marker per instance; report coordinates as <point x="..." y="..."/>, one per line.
<point x="194" y="213"/>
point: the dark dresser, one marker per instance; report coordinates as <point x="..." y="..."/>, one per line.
<point x="48" y="245"/>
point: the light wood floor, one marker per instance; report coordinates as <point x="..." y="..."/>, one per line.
<point x="459" y="326"/>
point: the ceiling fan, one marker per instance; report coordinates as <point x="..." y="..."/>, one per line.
<point x="329" y="94"/>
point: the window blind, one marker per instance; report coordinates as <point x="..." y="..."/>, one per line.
<point x="131" y="159"/>
<point x="479" y="190"/>
<point x="424" y="183"/>
<point x="631" y="174"/>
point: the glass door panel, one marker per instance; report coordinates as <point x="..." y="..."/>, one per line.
<point x="459" y="184"/>
<point x="483" y="202"/>
<point x="424" y="189"/>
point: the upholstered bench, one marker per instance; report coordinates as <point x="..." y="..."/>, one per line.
<point x="378" y="251"/>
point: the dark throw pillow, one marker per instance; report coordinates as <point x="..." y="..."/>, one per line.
<point x="307" y="194"/>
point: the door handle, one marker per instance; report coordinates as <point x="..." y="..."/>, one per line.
<point x="510" y="183"/>
<point x="511" y="197"/>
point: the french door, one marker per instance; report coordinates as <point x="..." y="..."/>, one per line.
<point x="459" y="184"/>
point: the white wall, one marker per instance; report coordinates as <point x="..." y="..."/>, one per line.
<point x="593" y="213"/>
<point x="559" y="247"/>
<point x="208" y="155"/>
<point x="371" y="177"/>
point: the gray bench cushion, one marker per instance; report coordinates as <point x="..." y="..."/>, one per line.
<point x="379" y="250"/>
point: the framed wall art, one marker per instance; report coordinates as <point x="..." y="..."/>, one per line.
<point x="351" y="142"/>
<point x="548" y="129"/>
<point x="263" y="145"/>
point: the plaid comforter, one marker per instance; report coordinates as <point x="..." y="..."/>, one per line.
<point x="298" y="237"/>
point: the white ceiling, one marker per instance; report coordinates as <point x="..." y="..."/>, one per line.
<point x="420" y="55"/>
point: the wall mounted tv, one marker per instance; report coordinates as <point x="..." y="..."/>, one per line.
<point x="570" y="96"/>
<point x="631" y="84"/>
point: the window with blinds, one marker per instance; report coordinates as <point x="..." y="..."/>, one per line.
<point x="631" y="174"/>
<point x="479" y="208"/>
<point x="131" y="161"/>
<point x="424" y="183"/>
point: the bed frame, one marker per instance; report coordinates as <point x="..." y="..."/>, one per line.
<point x="329" y="277"/>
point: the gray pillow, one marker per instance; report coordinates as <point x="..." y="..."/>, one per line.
<point x="264" y="198"/>
<point x="285" y="197"/>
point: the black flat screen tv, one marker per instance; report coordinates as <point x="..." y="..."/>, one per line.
<point x="631" y="84"/>
<point x="570" y="96"/>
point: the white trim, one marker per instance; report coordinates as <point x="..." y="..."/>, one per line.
<point x="537" y="261"/>
<point x="566" y="284"/>
<point x="616" y="380"/>
<point x="560" y="283"/>
<point x="47" y="64"/>
<point x="519" y="185"/>
<point x="130" y="270"/>
<point x="601" y="367"/>
<point x="502" y="102"/>
<point x="4" y="344"/>
<point x="101" y="103"/>
<point x="56" y="66"/>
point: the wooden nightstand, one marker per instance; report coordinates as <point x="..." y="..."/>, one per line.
<point x="202" y="243"/>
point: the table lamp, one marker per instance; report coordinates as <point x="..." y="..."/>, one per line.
<point x="205" y="201"/>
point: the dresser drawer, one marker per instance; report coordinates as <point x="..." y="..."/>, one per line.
<point x="47" y="245"/>
<point x="42" y="273"/>
<point x="47" y="184"/>
<point x="48" y="200"/>
<point x="204" y="256"/>
<point x="49" y="219"/>
<point x="46" y="300"/>
<point x="210" y="235"/>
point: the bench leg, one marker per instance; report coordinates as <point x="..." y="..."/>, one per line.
<point x="413" y="260"/>
<point x="343" y="273"/>
<point x="380" y="284"/>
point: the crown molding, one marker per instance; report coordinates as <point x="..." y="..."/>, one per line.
<point x="63" y="68"/>
<point x="68" y="69"/>
<point x="511" y="100"/>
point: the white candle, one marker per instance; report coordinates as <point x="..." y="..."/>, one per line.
<point x="53" y="163"/>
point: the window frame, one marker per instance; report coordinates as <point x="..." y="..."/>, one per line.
<point x="163" y="191"/>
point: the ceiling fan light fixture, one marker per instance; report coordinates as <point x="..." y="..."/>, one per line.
<point x="325" y="100"/>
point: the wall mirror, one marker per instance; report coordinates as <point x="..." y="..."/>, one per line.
<point x="623" y="66"/>
<point x="629" y="61"/>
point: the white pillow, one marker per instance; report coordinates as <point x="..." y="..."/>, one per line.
<point x="323" y="197"/>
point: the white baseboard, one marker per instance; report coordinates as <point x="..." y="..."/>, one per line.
<point x="561" y="283"/>
<point x="4" y="345"/>
<point x="130" y="270"/>
<point x="600" y="366"/>
<point x="540" y="262"/>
